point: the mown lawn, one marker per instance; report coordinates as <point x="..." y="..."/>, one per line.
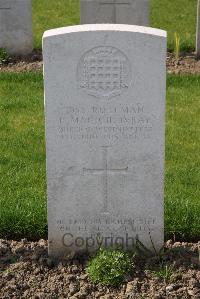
<point x="22" y="157"/>
<point x="172" y="15"/>
<point x="182" y="180"/>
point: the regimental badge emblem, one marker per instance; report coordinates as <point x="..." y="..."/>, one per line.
<point x="104" y="72"/>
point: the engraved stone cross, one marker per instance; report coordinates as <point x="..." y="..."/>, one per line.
<point x="105" y="171"/>
<point x="115" y="3"/>
<point x="111" y="2"/>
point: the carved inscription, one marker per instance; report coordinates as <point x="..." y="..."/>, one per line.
<point x="104" y="72"/>
<point x="127" y="122"/>
<point x="96" y="232"/>
<point x="109" y="224"/>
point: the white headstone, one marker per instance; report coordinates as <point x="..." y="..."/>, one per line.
<point x="16" y="26"/>
<point x="134" y="12"/>
<point x="198" y="30"/>
<point x="105" y="116"/>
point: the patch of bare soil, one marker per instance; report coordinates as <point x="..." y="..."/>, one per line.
<point x="186" y="64"/>
<point x="30" y="63"/>
<point x="26" y="271"/>
<point x="22" y="66"/>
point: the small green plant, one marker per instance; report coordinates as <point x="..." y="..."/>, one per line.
<point x="109" y="267"/>
<point x="13" y="259"/>
<point x="4" y="57"/>
<point x="163" y="273"/>
<point x="177" y="45"/>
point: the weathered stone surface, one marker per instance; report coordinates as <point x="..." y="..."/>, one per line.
<point x="135" y="12"/>
<point x="16" y="26"/>
<point x="105" y="107"/>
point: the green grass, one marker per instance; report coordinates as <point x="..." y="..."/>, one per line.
<point x="182" y="181"/>
<point x="172" y="15"/>
<point x="48" y="14"/>
<point x="163" y="273"/>
<point x="22" y="157"/>
<point x="176" y="16"/>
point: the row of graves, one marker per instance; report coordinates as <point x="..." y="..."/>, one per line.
<point x="105" y="83"/>
<point x="16" y="20"/>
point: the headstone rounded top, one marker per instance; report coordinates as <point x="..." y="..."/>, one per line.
<point x="105" y="27"/>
